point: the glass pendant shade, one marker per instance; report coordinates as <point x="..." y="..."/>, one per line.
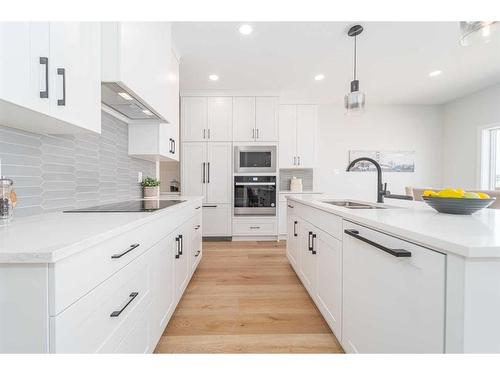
<point x="355" y="100"/>
<point x="476" y="32"/>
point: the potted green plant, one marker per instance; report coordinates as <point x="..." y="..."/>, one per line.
<point x="150" y="188"/>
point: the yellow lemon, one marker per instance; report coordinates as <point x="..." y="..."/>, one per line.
<point x="449" y="193"/>
<point x="461" y="191"/>
<point x="470" y="194"/>
<point x="483" y="196"/>
<point x="429" y="193"/>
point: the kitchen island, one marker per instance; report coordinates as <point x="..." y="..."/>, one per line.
<point x="400" y="278"/>
<point x="95" y="282"/>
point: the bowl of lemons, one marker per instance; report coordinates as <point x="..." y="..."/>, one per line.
<point x="457" y="201"/>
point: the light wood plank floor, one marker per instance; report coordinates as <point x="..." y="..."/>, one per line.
<point x="246" y="298"/>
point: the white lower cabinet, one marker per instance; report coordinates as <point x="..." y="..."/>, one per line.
<point x="391" y="304"/>
<point x="216" y="220"/>
<point x="122" y="298"/>
<point x="378" y="293"/>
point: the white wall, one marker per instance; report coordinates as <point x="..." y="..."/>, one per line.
<point x="462" y="121"/>
<point x="381" y="127"/>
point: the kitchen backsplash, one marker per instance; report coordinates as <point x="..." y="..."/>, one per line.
<point x="58" y="172"/>
<point x="306" y="174"/>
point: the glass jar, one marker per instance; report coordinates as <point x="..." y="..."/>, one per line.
<point x="6" y="204"/>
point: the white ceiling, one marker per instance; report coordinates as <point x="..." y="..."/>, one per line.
<point x="394" y="59"/>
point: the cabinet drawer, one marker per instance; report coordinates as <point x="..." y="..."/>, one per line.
<point x="326" y="221"/>
<point x="391" y="304"/>
<point x="103" y="318"/>
<point x="73" y="277"/>
<point x="216" y="220"/>
<point x="252" y="227"/>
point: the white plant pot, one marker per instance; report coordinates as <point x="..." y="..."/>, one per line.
<point x="151" y="192"/>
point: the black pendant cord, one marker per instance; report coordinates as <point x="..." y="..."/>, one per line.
<point x="355" y="55"/>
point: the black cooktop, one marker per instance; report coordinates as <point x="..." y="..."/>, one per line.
<point x="130" y="206"/>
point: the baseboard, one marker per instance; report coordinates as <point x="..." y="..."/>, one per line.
<point x="255" y="238"/>
<point x="217" y="239"/>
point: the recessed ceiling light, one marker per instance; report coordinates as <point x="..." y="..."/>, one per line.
<point x="435" y="73"/>
<point x="125" y="96"/>
<point x="213" y="77"/>
<point x="319" y="77"/>
<point x="245" y="29"/>
<point x="147" y="112"/>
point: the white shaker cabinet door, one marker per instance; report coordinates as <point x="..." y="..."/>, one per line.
<point x="307" y="257"/>
<point x="193" y="174"/>
<point x="244" y="119"/>
<point x="220" y="119"/>
<point x="75" y="73"/>
<point x="24" y="64"/>
<point x="329" y="279"/>
<point x="266" y="119"/>
<point x="194" y="119"/>
<point x="218" y="174"/>
<point x="287" y="136"/>
<point x="306" y="135"/>
<point x="391" y="304"/>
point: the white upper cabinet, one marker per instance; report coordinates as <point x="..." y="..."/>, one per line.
<point x="220" y="119"/>
<point x="194" y="119"/>
<point x="136" y="56"/>
<point x="50" y="76"/>
<point x="297" y="136"/>
<point x="306" y="135"/>
<point x="288" y="136"/>
<point x="255" y="119"/>
<point x="266" y="119"/>
<point x="75" y="74"/>
<point x="244" y="119"/>
<point x="154" y="142"/>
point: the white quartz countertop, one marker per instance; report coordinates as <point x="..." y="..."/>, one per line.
<point x="474" y="236"/>
<point x="48" y="238"/>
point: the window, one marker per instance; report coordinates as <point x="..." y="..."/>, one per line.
<point x="490" y="159"/>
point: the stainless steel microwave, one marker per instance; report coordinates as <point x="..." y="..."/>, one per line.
<point x="255" y="159"/>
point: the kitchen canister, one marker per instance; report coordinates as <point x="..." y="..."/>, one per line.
<point x="7" y="199"/>
<point x="296" y="184"/>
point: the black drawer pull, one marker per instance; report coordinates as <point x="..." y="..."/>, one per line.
<point x="290" y="206"/>
<point x="177" y="250"/>
<point x="312" y="244"/>
<point x="254" y="227"/>
<point x="197" y="227"/>
<point x="132" y="296"/>
<point x="295" y="228"/>
<point x="197" y="253"/>
<point x="210" y="206"/>
<point x="309" y="245"/>
<point x="62" y="72"/>
<point x="45" y="61"/>
<point x="197" y="208"/>
<point x="400" y="253"/>
<point x="132" y="247"/>
<point x="181" y="245"/>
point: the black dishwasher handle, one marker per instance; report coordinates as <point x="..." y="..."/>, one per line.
<point x="400" y="253"/>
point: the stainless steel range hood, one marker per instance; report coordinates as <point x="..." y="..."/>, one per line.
<point x="122" y="100"/>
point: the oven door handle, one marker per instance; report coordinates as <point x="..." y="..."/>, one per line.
<point x="255" y="183"/>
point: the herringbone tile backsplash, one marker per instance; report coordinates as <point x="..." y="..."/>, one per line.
<point x="58" y="172"/>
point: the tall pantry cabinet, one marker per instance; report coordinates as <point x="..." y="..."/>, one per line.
<point x="206" y="155"/>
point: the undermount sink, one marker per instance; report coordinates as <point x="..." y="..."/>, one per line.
<point x="354" y="205"/>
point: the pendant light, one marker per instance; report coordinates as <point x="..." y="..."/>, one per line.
<point x="354" y="101"/>
<point x="476" y="32"/>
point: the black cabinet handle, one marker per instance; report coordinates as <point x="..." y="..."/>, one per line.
<point x="208" y="172"/>
<point x="210" y="206"/>
<point x="181" y="247"/>
<point x="254" y="227"/>
<point x="309" y="242"/>
<point x="197" y="227"/>
<point x="295" y="228"/>
<point x="45" y="61"/>
<point x="290" y="206"/>
<point x="203" y="181"/>
<point x="197" y="253"/>
<point x="132" y="247"/>
<point x="313" y="237"/>
<point x="173" y="143"/>
<point x="170" y="145"/>
<point x="62" y="72"/>
<point x="197" y="208"/>
<point x="177" y="249"/>
<point x="132" y="296"/>
<point x="400" y="253"/>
